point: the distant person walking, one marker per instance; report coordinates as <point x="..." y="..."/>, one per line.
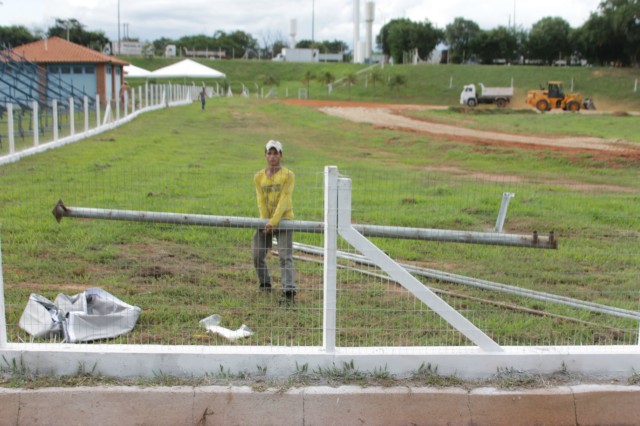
<point x="274" y="192"/>
<point x="203" y="97"/>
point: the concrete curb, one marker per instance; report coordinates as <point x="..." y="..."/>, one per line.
<point x="320" y="405"/>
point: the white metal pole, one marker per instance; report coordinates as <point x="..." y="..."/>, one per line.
<point x="36" y="136"/>
<point x="54" y="105"/>
<point x="72" y="118"/>
<point x="97" y="110"/>
<point x="12" y="141"/>
<point x="330" y="257"/>
<point x="86" y="113"/>
<point x="3" y="319"/>
<point x="502" y="214"/>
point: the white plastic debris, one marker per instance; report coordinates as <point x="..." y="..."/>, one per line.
<point x="210" y="323"/>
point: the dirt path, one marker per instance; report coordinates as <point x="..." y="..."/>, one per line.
<point x="390" y="116"/>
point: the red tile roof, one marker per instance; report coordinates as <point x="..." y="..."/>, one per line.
<point x="58" y="50"/>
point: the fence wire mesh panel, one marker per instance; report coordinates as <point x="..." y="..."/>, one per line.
<point x="583" y="293"/>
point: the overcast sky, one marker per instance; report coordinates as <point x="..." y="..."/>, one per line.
<point x="269" y="20"/>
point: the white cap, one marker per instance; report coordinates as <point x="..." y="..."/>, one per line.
<point x="274" y="144"/>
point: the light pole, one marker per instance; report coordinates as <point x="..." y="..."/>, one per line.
<point x="119" y="27"/>
<point x="313" y="19"/>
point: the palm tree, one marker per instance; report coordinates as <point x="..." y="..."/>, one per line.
<point x="396" y="81"/>
<point x="376" y="77"/>
<point x="350" y="79"/>
<point x="308" y="76"/>
<point x="328" y="78"/>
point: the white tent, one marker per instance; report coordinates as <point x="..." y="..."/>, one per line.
<point x="133" y="71"/>
<point x="187" y="68"/>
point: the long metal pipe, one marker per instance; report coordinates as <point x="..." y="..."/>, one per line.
<point x="484" y="284"/>
<point x="488" y="238"/>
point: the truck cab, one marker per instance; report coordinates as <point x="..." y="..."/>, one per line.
<point x="468" y="95"/>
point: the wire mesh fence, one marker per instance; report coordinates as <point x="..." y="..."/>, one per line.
<point x="29" y="124"/>
<point x="583" y="293"/>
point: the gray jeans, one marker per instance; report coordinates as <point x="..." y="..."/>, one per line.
<point x="260" y="247"/>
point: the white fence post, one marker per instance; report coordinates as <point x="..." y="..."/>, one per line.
<point x="3" y="319"/>
<point x="330" y="258"/>
<point x="97" y="110"/>
<point x="86" y="113"/>
<point x="36" y="135"/>
<point x="72" y="118"/>
<point x="12" y="140"/>
<point x="54" y="105"/>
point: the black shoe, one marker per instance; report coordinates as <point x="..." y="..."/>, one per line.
<point x="265" y="287"/>
<point x="290" y="295"/>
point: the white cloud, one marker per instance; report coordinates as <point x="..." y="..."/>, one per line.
<point x="331" y="19"/>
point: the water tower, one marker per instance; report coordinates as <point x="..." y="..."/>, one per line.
<point x="293" y="29"/>
<point x="356" y="30"/>
<point x="369" y="11"/>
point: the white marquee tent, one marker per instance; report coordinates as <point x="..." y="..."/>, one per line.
<point x="187" y="68"/>
<point x="131" y="71"/>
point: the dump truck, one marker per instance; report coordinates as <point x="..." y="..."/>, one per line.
<point x="500" y="96"/>
<point x="554" y="97"/>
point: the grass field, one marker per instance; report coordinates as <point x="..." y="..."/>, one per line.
<point x="186" y="160"/>
<point x="611" y="88"/>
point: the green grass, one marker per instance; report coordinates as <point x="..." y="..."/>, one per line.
<point x="185" y="160"/>
<point x="606" y="126"/>
<point x="611" y="89"/>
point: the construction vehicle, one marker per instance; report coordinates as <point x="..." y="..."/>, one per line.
<point x="501" y="96"/>
<point x="554" y="97"/>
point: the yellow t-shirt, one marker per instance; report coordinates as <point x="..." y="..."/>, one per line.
<point x="275" y="195"/>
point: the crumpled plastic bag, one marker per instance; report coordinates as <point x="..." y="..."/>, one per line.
<point x="210" y="323"/>
<point x="91" y="315"/>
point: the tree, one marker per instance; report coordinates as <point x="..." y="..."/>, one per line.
<point x="397" y="81"/>
<point x="497" y="44"/>
<point x="72" y="30"/>
<point x="350" y="80"/>
<point x="15" y="36"/>
<point x="306" y="79"/>
<point x="402" y="35"/>
<point x="460" y="36"/>
<point x="376" y="77"/>
<point x="549" y="40"/>
<point x="327" y="78"/>
<point x="612" y="34"/>
<point x="160" y="45"/>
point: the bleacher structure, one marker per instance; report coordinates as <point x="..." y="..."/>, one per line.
<point x="23" y="82"/>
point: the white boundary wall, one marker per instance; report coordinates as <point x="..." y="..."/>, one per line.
<point x="466" y="362"/>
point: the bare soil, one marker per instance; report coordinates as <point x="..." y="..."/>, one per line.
<point x="390" y="116"/>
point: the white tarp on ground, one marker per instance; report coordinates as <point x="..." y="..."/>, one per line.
<point x="187" y="68"/>
<point x="91" y="315"/>
<point x="133" y="71"/>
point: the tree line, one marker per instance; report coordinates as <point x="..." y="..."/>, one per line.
<point x="611" y="35"/>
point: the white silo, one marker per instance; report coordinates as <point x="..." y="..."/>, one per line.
<point x="356" y="30"/>
<point x="369" y="11"/>
<point x="293" y="30"/>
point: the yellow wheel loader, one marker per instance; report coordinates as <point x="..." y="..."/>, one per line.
<point x="554" y="97"/>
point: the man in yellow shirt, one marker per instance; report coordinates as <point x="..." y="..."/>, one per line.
<point x="274" y="192"/>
